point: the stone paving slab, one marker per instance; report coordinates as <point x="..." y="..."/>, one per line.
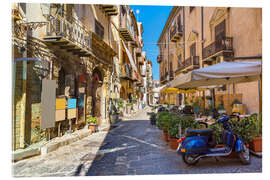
<point x="134" y="147"/>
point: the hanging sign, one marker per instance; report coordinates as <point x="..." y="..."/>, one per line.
<point x="60" y="103"/>
<point x="72" y="103"/>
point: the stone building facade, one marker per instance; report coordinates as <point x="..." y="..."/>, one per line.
<point x="196" y="37"/>
<point x="72" y="44"/>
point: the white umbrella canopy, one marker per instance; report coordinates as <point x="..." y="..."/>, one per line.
<point x="220" y="74"/>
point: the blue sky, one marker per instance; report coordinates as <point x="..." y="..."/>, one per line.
<point x="153" y="19"/>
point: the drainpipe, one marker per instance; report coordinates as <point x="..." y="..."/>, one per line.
<point x="184" y="37"/>
<point x="202" y="43"/>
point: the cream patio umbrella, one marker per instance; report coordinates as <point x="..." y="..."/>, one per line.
<point x="220" y="74"/>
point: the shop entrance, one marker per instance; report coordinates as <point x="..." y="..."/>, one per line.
<point x="96" y="94"/>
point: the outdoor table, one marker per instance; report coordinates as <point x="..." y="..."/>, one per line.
<point x="199" y="119"/>
<point x="245" y="115"/>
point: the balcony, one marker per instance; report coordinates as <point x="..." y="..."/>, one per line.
<point x="163" y="79"/>
<point x="138" y="51"/>
<point x="140" y="59"/>
<point x="139" y="81"/>
<point x="221" y="47"/>
<point x="176" y="32"/>
<point x="110" y="10"/>
<point x="125" y="28"/>
<point x="126" y="72"/>
<point x="159" y="58"/>
<point x="68" y="35"/>
<point x="190" y="64"/>
<point x="143" y="73"/>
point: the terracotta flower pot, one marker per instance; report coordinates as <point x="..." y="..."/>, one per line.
<point x="165" y="136"/>
<point x="256" y="144"/>
<point x="173" y="143"/>
<point x="92" y="127"/>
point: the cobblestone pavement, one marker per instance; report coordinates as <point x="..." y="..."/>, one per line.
<point x="133" y="148"/>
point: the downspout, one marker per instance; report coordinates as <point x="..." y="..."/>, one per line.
<point x="184" y="38"/>
<point x="202" y="41"/>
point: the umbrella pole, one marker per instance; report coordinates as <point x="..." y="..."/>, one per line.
<point x="260" y="93"/>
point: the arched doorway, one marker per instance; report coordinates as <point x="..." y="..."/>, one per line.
<point x="122" y="92"/>
<point x="96" y="93"/>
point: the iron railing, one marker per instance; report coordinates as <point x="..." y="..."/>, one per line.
<point x="222" y="44"/>
<point x="176" y="31"/>
<point x="70" y="29"/>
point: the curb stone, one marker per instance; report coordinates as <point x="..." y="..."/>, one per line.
<point x="52" y="145"/>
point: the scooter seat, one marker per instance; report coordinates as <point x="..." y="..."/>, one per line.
<point x="199" y="132"/>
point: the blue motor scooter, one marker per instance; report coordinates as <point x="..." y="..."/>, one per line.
<point x="200" y="143"/>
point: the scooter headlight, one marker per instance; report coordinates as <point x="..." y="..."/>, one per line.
<point x="183" y="150"/>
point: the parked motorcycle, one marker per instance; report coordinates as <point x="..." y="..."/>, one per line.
<point x="200" y="144"/>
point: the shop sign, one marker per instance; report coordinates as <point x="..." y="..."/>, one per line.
<point x="60" y="103"/>
<point x="60" y="115"/>
<point x="72" y="103"/>
<point x="72" y="113"/>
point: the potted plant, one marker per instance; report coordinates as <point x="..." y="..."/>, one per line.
<point x="128" y="105"/>
<point x="92" y="123"/>
<point x="153" y="118"/>
<point x="162" y="123"/>
<point x="256" y="143"/>
<point x="173" y="125"/>
<point x="114" y="115"/>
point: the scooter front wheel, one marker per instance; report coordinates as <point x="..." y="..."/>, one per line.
<point x="190" y="159"/>
<point x="244" y="156"/>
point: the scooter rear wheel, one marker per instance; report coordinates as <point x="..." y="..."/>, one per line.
<point x="244" y="156"/>
<point x="190" y="159"/>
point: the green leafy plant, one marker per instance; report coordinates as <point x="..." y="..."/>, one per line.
<point x="128" y="104"/>
<point x="235" y="101"/>
<point x="120" y="103"/>
<point x="220" y="106"/>
<point x="162" y="120"/>
<point x="92" y="120"/>
<point x="209" y="97"/>
<point x="173" y="125"/>
<point x="246" y="128"/>
<point x="217" y="132"/>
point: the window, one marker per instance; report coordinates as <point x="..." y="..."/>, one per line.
<point x="220" y="30"/>
<point x="99" y="29"/>
<point x="192" y="49"/>
<point x="191" y="9"/>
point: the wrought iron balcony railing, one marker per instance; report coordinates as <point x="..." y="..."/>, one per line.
<point x="109" y="9"/>
<point x="220" y="45"/>
<point x="125" y="28"/>
<point x="126" y="71"/>
<point x="176" y="32"/>
<point x="70" y="34"/>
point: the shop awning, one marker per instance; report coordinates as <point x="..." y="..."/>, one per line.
<point x="220" y="74"/>
<point x="133" y="65"/>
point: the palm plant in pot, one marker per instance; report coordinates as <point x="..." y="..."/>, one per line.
<point x="256" y="142"/>
<point x="92" y="123"/>
<point x="173" y="126"/>
<point x="162" y="123"/>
